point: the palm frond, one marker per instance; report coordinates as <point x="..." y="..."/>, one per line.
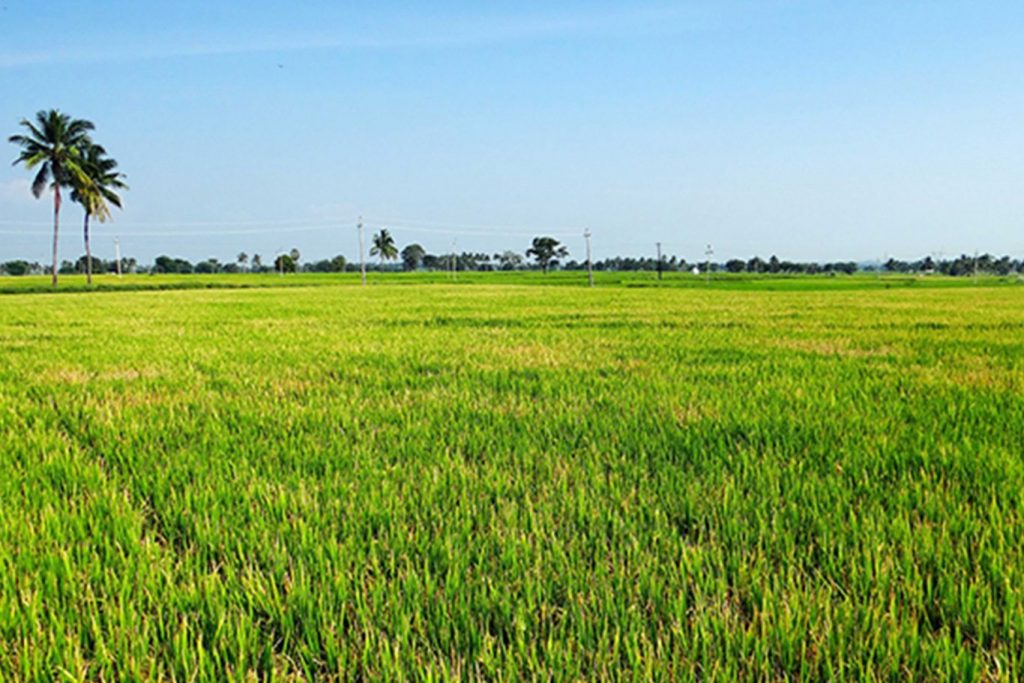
<point x="111" y="196"/>
<point x="37" y="132"/>
<point x="41" y="180"/>
<point x="79" y="128"/>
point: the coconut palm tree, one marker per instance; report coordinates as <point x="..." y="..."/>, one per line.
<point x="384" y="247"/>
<point x="97" y="193"/>
<point x="53" y="143"/>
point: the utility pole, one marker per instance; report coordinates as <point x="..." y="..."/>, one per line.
<point x="362" y="251"/>
<point x="709" y="252"/>
<point x="117" y="254"/>
<point x="590" y="261"/>
<point x="659" y="259"/>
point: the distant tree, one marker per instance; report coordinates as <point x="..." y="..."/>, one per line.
<point x="295" y="256"/>
<point x="546" y="251"/>
<point x="284" y="264"/>
<point x="384" y="247"/>
<point x="53" y="143"/>
<point x="735" y="265"/>
<point x="243" y="258"/>
<point x="166" y="264"/>
<point x="509" y="260"/>
<point x="773" y="264"/>
<point x="83" y="265"/>
<point x="162" y="264"/>
<point x="338" y="264"/>
<point x="474" y="261"/>
<point x="895" y="266"/>
<point x="756" y="265"/>
<point x="412" y="256"/>
<point x="15" y="267"/>
<point x="207" y="267"/>
<point x="257" y="263"/>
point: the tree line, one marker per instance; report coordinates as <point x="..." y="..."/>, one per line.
<point x="414" y="257"/>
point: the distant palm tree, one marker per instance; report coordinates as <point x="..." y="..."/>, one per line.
<point x="384" y="247"/>
<point x="243" y="258"/>
<point x="97" y="193"/>
<point x="53" y="144"/>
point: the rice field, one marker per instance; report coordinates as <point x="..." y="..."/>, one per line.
<point x="513" y="481"/>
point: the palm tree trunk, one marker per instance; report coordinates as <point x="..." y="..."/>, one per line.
<point x="56" y="228"/>
<point x="88" y="252"/>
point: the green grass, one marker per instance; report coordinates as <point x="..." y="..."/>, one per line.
<point x="719" y="281"/>
<point x="509" y="482"/>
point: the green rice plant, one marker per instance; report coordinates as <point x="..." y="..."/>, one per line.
<point x="509" y="481"/>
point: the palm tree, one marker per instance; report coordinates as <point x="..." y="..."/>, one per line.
<point x="97" y="193"/>
<point x="243" y="258"/>
<point x="53" y="144"/>
<point x="384" y="247"/>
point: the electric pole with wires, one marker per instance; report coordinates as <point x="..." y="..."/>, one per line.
<point x="590" y="261"/>
<point x="362" y="250"/>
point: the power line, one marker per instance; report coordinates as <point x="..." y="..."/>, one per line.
<point x="198" y="224"/>
<point x="214" y="228"/>
<point x="189" y="233"/>
<point x="476" y="229"/>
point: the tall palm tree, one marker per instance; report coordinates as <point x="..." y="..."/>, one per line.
<point x="53" y="143"/>
<point x="97" y="192"/>
<point x="384" y="247"/>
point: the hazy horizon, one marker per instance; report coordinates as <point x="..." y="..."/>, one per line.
<point x="809" y="130"/>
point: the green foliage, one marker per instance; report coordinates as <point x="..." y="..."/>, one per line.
<point x="412" y="256"/>
<point x="384" y="246"/>
<point x="17" y="267"/>
<point x="168" y="264"/>
<point x="546" y="251"/>
<point x="284" y="264"/>
<point x="96" y="188"/>
<point x="52" y="143"/>
<point x="512" y="483"/>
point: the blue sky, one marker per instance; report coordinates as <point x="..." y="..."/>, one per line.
<point x="813" y="130"/>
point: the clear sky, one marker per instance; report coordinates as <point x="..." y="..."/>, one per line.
<point x="813" y="130"/>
